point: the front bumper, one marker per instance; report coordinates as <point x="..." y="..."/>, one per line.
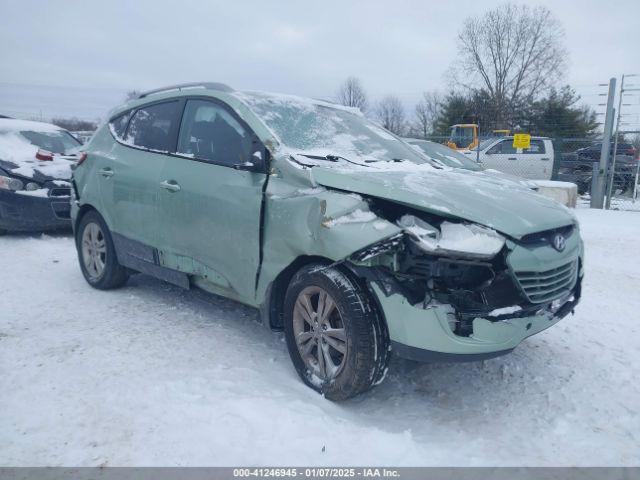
<point x="432" y="333"/>
<point x="27" y="213"/>
<point x="424" y="334"/>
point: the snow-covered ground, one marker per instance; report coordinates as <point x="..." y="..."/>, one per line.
<point x="153" y="375"/>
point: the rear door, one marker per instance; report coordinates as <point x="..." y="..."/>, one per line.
<point x="538" y="161"/>
<point x="503" y="157"/>
<point x="211" y="198"/>
<point x="129" y="175"/>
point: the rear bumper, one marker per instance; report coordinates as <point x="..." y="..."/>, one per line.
<point x="27" y="213"/>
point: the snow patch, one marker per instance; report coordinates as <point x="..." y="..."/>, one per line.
<point x="453" y="237"/>
<point x="357" y="216"/>
<point x="40" y="192"/>
<point x="504" y="311"/>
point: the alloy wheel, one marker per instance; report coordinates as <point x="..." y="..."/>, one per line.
<point x="319" y="332"/>
<point x="94" y="250"/>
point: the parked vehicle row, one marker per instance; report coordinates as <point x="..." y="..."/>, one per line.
<point x="451" y="158"/>
<point x="577" y="166"/>
<point x="35" y="169"/>
<point x="349" y="239"/>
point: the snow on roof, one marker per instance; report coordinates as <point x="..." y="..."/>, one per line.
<point x="14" y="125"/>
<point x="249" y="96"/>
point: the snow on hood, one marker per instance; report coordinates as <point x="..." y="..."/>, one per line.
<point x="18" y="156"/>
<point x="449" y="193"/>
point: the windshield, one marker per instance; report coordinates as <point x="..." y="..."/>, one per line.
<point x="320" y="129"/>
<point x="57" y="141"/>
<point x="446" y="155"/>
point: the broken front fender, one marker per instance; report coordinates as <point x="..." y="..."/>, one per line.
<point x="314" y="222"/>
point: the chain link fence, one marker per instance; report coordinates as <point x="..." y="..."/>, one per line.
<point x="574" y="160"/>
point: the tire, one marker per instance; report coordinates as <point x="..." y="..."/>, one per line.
<point x="355" y="359"/>
<point x="93" y="240"/>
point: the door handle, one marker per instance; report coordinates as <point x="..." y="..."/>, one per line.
<point x="545" y="158"/>
<point x="512" y="158"/>
<point x="106" y="172"/>
<point x="170" y="185"/>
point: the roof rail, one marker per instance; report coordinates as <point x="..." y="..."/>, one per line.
<point x="208" y="85"/>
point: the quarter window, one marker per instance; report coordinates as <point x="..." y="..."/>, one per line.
<point x="210" y="132"/>
<point x="118" y="125"/>
<point x="152" y="126"/>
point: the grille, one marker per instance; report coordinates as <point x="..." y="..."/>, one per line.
<point x="548" y="285"/>
<point x="60" y="192"/>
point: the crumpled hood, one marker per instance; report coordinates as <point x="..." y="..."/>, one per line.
<point x="513" y="211"/>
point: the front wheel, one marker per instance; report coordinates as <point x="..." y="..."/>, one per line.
<point x="97" y="254"/>
<point x="335" y="334"/>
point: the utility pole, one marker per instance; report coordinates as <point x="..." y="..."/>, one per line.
<point x="597" y="197"/>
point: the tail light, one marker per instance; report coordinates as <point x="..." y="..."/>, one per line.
<point x="44" y="155"/>
<point x="82" y="157"/>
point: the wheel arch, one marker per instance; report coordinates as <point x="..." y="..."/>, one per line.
<point x="272" y="309"/>
<point x="82" y="211"/>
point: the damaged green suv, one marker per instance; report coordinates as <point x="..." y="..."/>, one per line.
<point x="345" y="237"/>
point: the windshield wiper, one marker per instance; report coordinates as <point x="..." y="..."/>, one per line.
<point x="332" y="158"/>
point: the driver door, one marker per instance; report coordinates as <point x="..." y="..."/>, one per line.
<point x="211" y="199"/>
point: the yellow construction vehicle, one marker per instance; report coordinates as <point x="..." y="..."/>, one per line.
<point x="501" y="133"/>
<point x="464" y="136"/>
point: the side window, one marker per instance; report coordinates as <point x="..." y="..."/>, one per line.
<point x="505" y="146"/>
<point x="209" y="132"/>
<point x="118" y="125"/>
<point x="151" y="126"/>
<point x="537" y="146"/>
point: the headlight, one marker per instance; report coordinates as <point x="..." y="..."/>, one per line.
<point x="8" y="183"/>
<point x="457" y="239"/>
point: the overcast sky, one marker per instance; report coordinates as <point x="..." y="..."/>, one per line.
<point x="301" y="47"/>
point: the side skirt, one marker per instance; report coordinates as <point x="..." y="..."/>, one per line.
<point x="144" y="259"/>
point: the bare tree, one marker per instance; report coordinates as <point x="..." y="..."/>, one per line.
<point x="426" y="112"/>
<point x="514" y="52"/>
<point x="352" y="94"/>
<point x="391" y="114"/>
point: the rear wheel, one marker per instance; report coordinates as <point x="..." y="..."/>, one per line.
<point x="335" y="335"/>
<point x="97" y="254"/>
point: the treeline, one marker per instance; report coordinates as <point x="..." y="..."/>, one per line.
<point x="74" y="124"/>
<point x="507" y="75"/>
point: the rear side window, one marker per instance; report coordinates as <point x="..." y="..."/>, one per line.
<point x="151" y="127"/>
<point x="537" y="146"/>
<point x="118" y="125"/>
<point x="210" y="132"/>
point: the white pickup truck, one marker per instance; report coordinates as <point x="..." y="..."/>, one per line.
<point x="535" y="162"/>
